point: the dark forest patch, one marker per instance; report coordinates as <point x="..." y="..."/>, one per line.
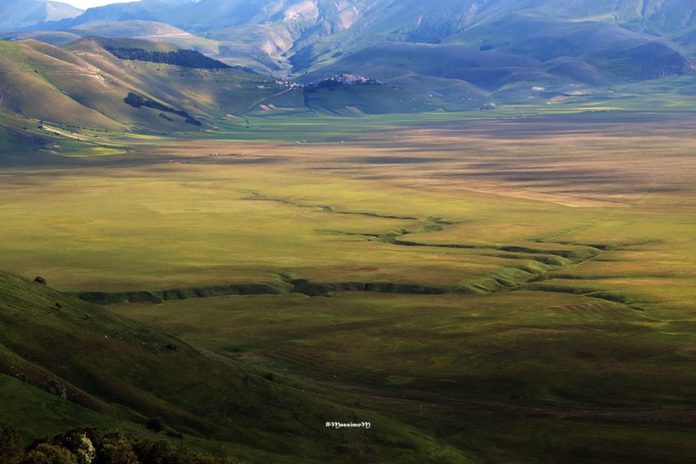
<point x="138" y="101"/>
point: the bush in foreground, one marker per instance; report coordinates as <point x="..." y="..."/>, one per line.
<point x="90" y="446"/>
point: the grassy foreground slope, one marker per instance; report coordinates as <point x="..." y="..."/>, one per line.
<point x="87" y="366"/>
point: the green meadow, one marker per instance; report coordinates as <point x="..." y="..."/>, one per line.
<point x="499" y="289"/>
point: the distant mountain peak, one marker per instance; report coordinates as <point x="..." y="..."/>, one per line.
<point x="18" y="15"/>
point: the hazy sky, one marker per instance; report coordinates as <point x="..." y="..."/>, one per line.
<point x="84" y="4"/>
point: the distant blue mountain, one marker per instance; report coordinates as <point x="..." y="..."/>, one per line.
<point x="493" y="45"/>
<point x="19" y="14"/>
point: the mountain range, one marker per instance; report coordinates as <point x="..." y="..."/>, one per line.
<point x="440" y="54"/>
<point x="299" y="35"/>
<point x="15" y="15"/>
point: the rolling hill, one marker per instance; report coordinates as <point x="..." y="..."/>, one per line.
<point x="85" y="85"/>
<point x="136" y="85"/>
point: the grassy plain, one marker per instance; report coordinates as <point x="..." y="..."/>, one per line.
<point x="521" y="287"/>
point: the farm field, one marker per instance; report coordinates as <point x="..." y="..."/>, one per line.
<point x="516" y="289"/>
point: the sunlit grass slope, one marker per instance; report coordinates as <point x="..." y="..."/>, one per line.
<point x="84" y="86"/>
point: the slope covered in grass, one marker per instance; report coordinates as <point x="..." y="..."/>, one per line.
<point x="84" y="85"/>
<point x="96" y="367"/>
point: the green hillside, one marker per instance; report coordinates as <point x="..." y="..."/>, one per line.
<point x="69" y="92"/>
<point x="86" y="365"/>
<point x="85" y="85"/>
<point x="70" y="95"/>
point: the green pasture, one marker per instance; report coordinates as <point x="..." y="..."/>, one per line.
<point x="522" y="287"/>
